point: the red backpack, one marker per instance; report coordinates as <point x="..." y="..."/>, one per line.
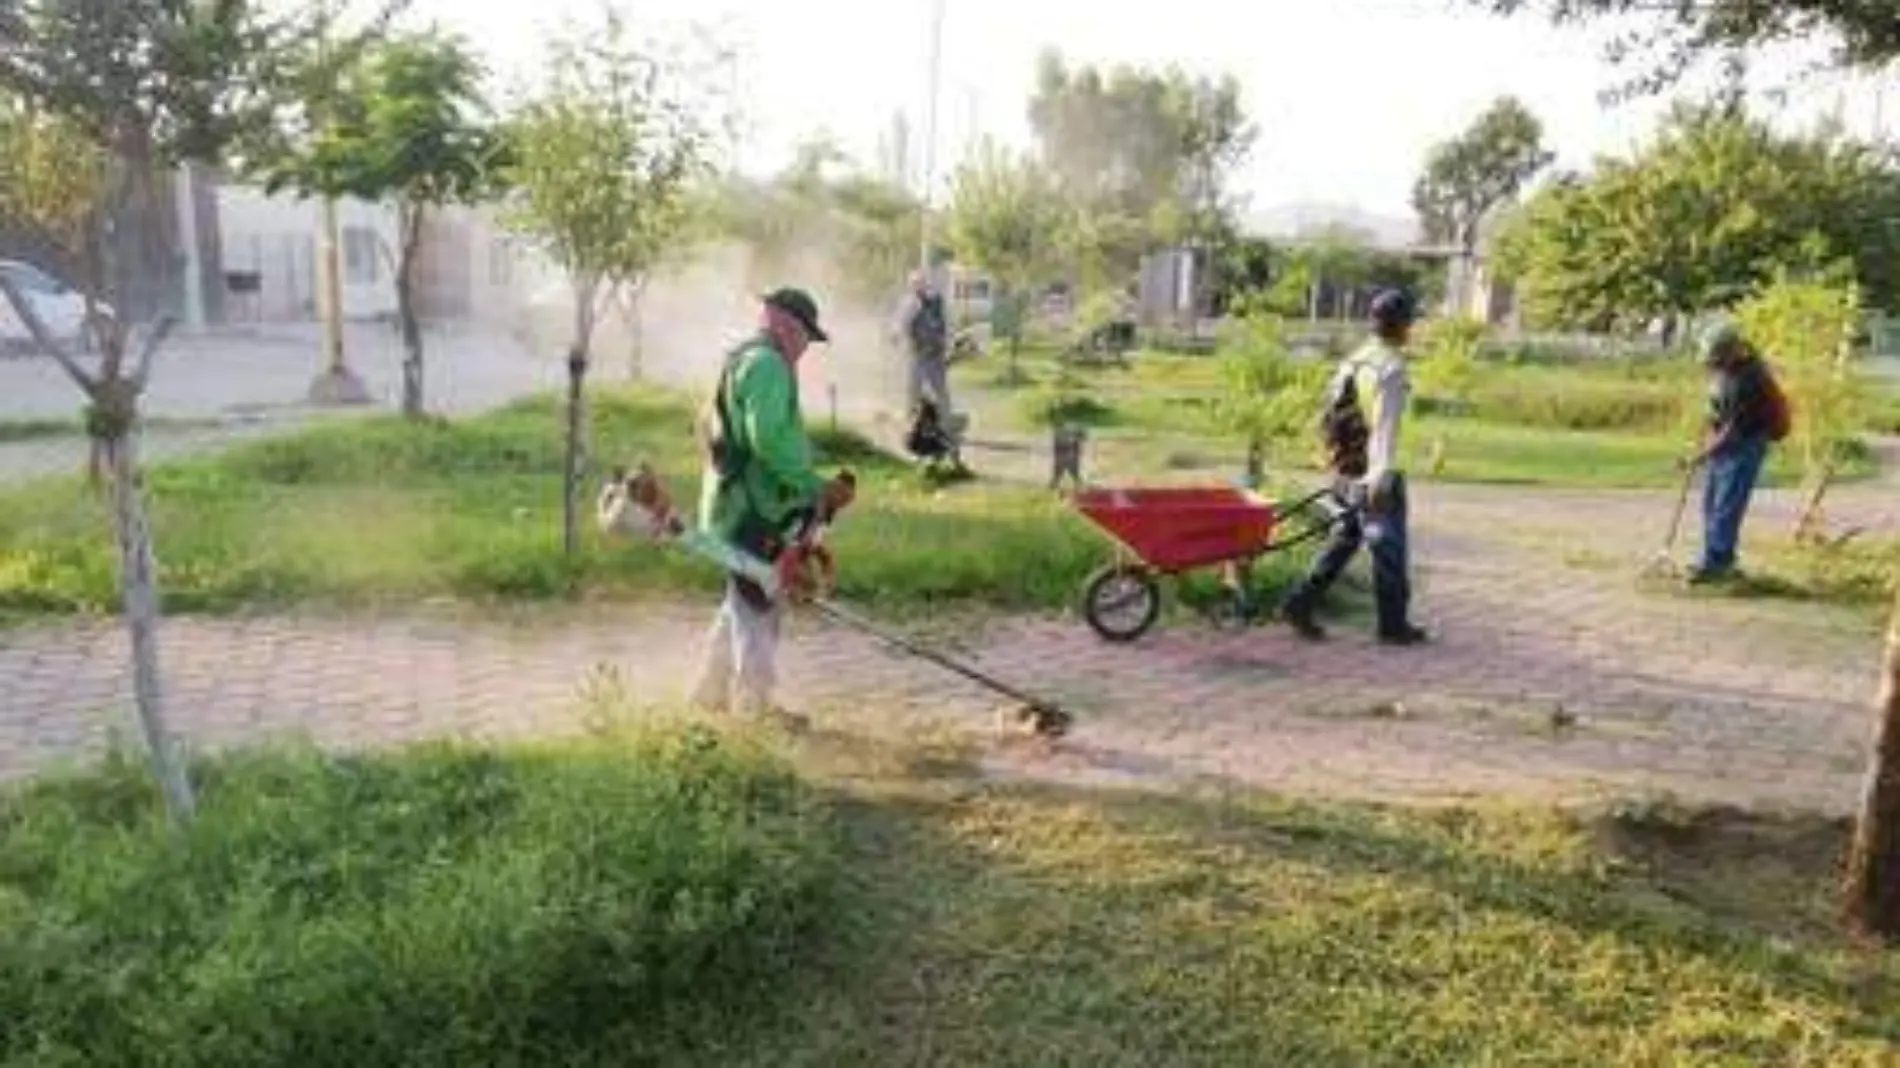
<point x="1775" y="400"/>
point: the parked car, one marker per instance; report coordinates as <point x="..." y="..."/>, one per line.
<point x="61" y="307"/>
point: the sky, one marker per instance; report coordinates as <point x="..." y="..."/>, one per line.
<point x="1348" y="95"/>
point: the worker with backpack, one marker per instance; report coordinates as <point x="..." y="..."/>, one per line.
<point x="1365" y="401"/>
<point x="1748" y="412"/>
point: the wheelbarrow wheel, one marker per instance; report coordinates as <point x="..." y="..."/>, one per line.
<point x="1121" y="602"/>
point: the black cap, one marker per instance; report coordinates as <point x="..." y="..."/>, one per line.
<point x="1394" y="308"/>
<point x="798" y="304"/>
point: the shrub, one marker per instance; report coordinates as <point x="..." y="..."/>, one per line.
<point x="440" y="906"/>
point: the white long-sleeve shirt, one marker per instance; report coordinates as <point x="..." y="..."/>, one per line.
<point x="1383" y="388"/>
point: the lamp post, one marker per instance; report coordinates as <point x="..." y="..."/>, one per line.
<point x="930" y="131"/>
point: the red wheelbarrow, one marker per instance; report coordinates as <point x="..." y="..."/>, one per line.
<point x="1170" y="531"/>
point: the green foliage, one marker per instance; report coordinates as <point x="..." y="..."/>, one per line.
<point x="406" y="120"/>
<point x="1676" y="37"/>
<point x="1006" y="217"/>
<point x="1707" y="213"/>
<point x="1468" y="176"/>
<point x="179" y="79"/>
<point x="53" y="179"/>
<point x="147" y="85"/>
<point x="821" y="201"/>
<point x="607" y="159"/>
<point x="592" y="903"/>
<point x="1144" y="156"/>
<point x="1448" y="369"/>
<point x="1267" y="397"/>
<point x="1808" y="330"/>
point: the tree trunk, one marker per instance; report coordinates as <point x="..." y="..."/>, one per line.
<point x="587" y="301"/>
<point x="412" y="405"/>
<point x="1256" y="461"/>
<point x="1873" y="866"/>
<point x="1810" y="522"/>
<point x="571" y="471"/>
<point x="138" y="584"/>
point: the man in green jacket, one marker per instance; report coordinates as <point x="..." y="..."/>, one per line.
<point x="759" y="485"/>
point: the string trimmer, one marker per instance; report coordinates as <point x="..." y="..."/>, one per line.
<point x="637" y="504"/>
<point x="1664" y="562"/>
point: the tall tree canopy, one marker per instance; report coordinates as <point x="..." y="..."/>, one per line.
<point x="823" y="200"/>
<point x="1007" y="217"/>
<point x="1468" y="176"/>
<point x="1711" y="210"/>
<point x="1671" y="37"/>
<point x="1145" y="155"/>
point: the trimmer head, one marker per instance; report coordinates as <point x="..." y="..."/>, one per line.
<point x="1040" y="720"/>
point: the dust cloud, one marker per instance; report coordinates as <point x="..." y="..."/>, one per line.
<point x="691" y="316"/>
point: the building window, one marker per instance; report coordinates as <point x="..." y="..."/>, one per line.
<point x="360" y="256"/>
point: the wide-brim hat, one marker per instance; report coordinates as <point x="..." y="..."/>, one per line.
<point x="800" y="306"/>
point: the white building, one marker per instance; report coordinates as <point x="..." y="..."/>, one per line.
<point x="269" y="245"/>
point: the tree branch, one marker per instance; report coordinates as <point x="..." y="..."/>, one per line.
<point x="43" y="337"/>
<point x="142" y="369"/>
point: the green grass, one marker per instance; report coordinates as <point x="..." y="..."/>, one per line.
<point x="384" y="510"/>
<point x="575" y="905"/>
<point x="1609" y="424"/>
<point x="683" y="897"/>
<point x="38" y="429"/>
<point x="16" y="430"/>
<point x="1507" y="453"/>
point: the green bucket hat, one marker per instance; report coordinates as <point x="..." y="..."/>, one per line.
<point x="799" y="305"/>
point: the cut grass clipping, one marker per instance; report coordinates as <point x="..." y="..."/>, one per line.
<point x="684" y="897"/>
<point x="388" y="510"/>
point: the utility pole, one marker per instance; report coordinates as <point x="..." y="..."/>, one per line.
<point x="930" y="131"/>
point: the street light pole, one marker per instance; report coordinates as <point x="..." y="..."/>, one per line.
<point x="930" y="131"/>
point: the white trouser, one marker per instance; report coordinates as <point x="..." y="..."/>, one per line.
<point x="741" y="648"/>
<point x="930" y="377"/>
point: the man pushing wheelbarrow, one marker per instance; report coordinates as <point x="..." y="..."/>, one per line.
<point x="1362" y="451"/>
<point x="1173" y="530"/>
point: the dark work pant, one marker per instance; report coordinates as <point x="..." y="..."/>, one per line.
<point x="1385" y="534"/>
<point x="1731" y="482"/>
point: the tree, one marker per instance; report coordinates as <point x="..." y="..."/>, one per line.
<point x="606" y="164"/>
<point x="1006" y="217"/>
<point x="1810" y="328"/>
<point x="408" y="122"/>
<point x="99" y="98"/>
<point x="1873" y="861"/>
<point x="1472" y="175"/>
<point x="1704" y="215"/>
<point x="824" y="201"/>
<point x="1143" y="155"/>
<point x="1676" y="36"/>
<point x="1268" y="396"/>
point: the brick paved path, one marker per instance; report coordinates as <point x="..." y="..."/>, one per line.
<point x="1744" y="702"/>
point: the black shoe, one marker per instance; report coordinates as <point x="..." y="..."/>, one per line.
<point x="1408" y="634"/>
<point x="1301" y="620"/>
